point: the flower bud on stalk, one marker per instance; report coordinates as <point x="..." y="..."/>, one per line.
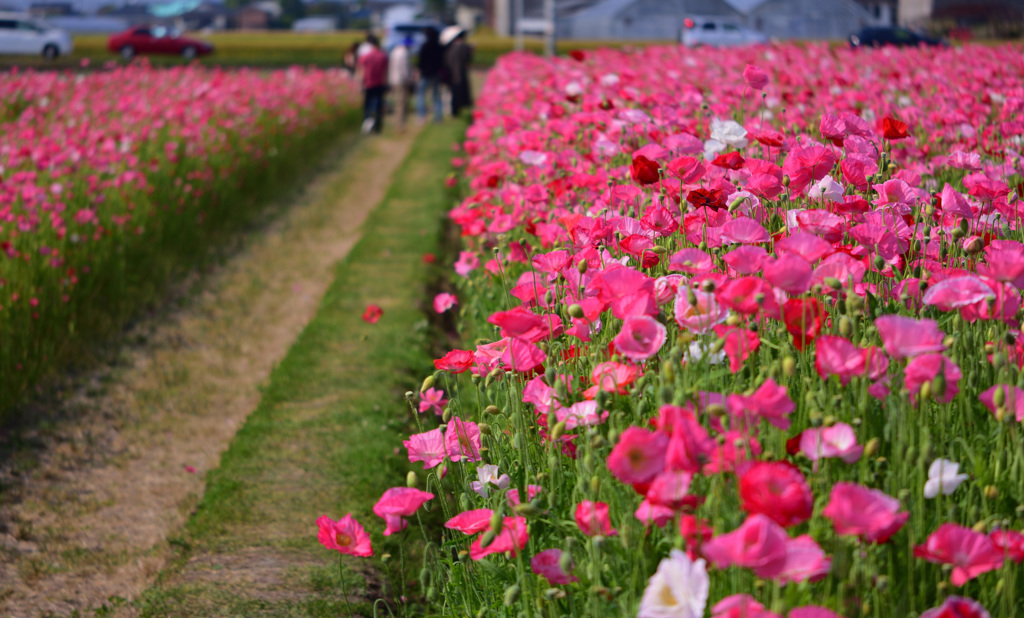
<point x="411" y="480"/>
<point x="447" y="415"/>
<point x="428" y="382"/>
<point x="871" y="448"/>
<point x="939" y="385"/>
<point x="581" y="266"/>
<point x="845" y="327"/>
<point x="576" y="311"/>
<point x="595" y="484"/>
<point x="991" y="492"/>
<point x="511" y="595"/>
<point x="565" y="562"/>
<point x="789" y="366"/>
<point x="558" y="431"/>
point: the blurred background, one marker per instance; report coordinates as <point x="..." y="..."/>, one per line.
<point x="318" y="32"/>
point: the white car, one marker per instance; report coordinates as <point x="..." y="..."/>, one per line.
<point x="718" y="32"/>
<point x="23" y="34"/>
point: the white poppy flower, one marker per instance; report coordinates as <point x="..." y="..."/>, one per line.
<point x="679" y="589"/>
<point x="826" y="188"/>
<point x="698" y="351"/>
<point x="488" y="475"/>
<point x="729" y="132"/>
<point x="943" y="476"/>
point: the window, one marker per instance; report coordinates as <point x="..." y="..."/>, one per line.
<point x="8" y="24"/>
<point x="709" y="26"/>
<point x="25" y="26"/>
<point x="730" y="28"/>
<point x="141" y="32"/>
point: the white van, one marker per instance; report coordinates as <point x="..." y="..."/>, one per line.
<point x="23" y="34"/>
<point x="718" y="32"/>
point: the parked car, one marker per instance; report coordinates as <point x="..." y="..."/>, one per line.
<point x="900" y="37"/>
<point x="146" y="40"/>
<point x="395" y="34"/>
<point x="718" y="32"/>
<point x="23" y="34"/>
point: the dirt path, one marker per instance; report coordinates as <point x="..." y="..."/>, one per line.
<point x="86" y="517"/>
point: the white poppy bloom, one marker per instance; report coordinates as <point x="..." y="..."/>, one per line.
<point x="679" y="589"/>
<point x="826" y="188"/>
<point x="943" y="476"/>
<point x="698" y="351"/>
<point x="488" y="475"/>
<point x="729" y="132"/>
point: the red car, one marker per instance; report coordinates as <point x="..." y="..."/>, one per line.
<point x="146" y="40"/>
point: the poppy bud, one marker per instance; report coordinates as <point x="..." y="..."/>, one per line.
<point x="991" y="492"/>
<point x="511" y="595"/>
<point x="829" y="421"/>
<point x="386" y="558"/>
<point x="447" y="415"/>
<point x="999" y="397"/>
<point x="879" y="262"/>
<point x="872" y="447"/>
<point x="926" y="391"/>
<point x="715" y="409"/>
<point x="733" y="205"/>
<point x="733" y="320"/>
<point x="565" y="562"/>
<point x="998" y="360"/>
<point x="939" y="384"/>
<point x="558" y="430"/>
<point x="717" y="347"/>
<point x="833" y="283"/>
<point x="597" y="442"/>
<point x="891" y="168"/>
<point x="845" y="327"/>
<point x="691" y="297"/>
<point x="432" y="593"/>
<point x="789" y="366"/>
<point x="703" y="246"/>
<point x="595" y="484"/>
<point x="785" y="180"/>
<point x="815" y="417"/>
<point x="974" y="245"/>
<point x="581" y="266"/>
<point x="527" y="509"/>
<point x="708" y="286"/>
<point x="411" y="480"/>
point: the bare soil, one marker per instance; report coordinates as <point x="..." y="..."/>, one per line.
<point x="89" y="500"/>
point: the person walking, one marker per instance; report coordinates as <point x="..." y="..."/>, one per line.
<point x="400" y="79"/>
<point x="458" y="57"/>
<point x="373" y="74"/>
<point x="430" y="66"/>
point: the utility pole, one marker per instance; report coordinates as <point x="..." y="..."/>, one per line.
<point x="549" y="32"/>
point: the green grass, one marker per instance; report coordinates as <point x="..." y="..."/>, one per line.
<point x="322" y="439"/>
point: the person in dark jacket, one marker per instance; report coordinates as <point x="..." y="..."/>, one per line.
<point x="430" y="67"/>
<point x="458" y="56"/>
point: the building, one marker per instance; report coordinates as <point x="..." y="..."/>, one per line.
<point x="320" y="23"/>
<point x="639" y="19"/>
<point x="1003" y="18"/>
<point x="51" y="9"/>
<point x="252" y="18"/>
<point x="809" y="19"/>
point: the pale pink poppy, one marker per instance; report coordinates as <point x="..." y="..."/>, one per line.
<point x="670" y="489"/>
<point x="522" y="356"/>
<point x="427" y="447"/>
<point x="838" y="441"/>
<point x="432" y="399"/>
<point x="638" y="456"/>
<point x="1013" y="398"/>
<point x="444" y="301"/>
<point x="700" y="317"/>
<point x="547" y="564"/>
<point x="345" y="535"/>
<point x="649" y="513"/>
<point x="693" y="261"/>
<point x="468" y="261"/>
<point x="640" y="338"/>
<point x="905" y="337"/>
<point x="592" y="519"/>
<point x="471" y="522"/>
<point x="867" y="513"/>
<point x="744" y="230"/>
<point x="805" y="561"/>
<point x="583" y="413"/>
<point x="758" y="544"/>
<point x="398" y="503"/>
<point x="957" y="292"/>
<point x="462" y="440"/>
<point x="970" y="553"/>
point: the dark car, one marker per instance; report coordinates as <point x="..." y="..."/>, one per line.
<point x="900" y="37"/>
<point x="147" y="40"/>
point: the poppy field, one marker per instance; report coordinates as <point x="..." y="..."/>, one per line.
<point x="111" y="182"/>
<point x="741" y="339"/>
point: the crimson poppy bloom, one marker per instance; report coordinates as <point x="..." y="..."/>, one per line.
<point x="732" y="160"/>
<point x="894" y="129"/>
<point x="372" y="314"/>
<point x="456" y="361"/>
<point x="777" y="490"/>
<point x="710" y="198"/>
<point x="644" y="171"/>
<point x="803" y="318"/>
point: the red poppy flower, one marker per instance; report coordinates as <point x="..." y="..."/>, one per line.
<point x="456" y="361"/>
<point x="710" y="198"/>
<point x="644" y="171"/>
<point x="731" y="161"/>
<point x="578" y="55"/>
<point x="372" y="314"/>
<point x="894" y="129"/>
<point x="803" y="318"/>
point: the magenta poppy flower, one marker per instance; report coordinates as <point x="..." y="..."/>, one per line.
<point x="770" y="402"/>
<point x="905" y="337"/>
<point x="344" y="535"/>
<point x="777" y="490"/>
<point x="838" y="441"/>
<point x="512" y="495"/>
<point x="741" y="606"/>
<point x="748" y="295"/>
<point x="755" y="77"/>
<point x="592" y="519"/>
<point x="640" y="338"/>
<point x="746" y="260"/>
<point x="468" y="261"/>
<point x="812" y="611"/>
<point x="456" y="361"/>
<point x="638" y="456"/>
<point x="372" y="314"/>
<point x="758" y="544"/>
<point x="462" y="440"/>
<point x="427" y="447"/>
<point x="522" y="356"/>
<point x="957" y="292"/>
<point x="970" y="553"/>
<point x="692" y="261"/>
<point x="957" y="607"/>
<point x="808" y="246"/>
<point x="924" y="368"/>
<point x="835" y="356"/>
<point x="740" y="343"/>
<point x="432" y="399"/>
<point x="512" y="538"/>
<point x="649" y="513"/>
<point x="398" y="503"/>
<point x="807" y="165"/>
<point x="471" y="522"/>
<point x="1010" y="542"/>
<point x="444" y="301"/>
<point x="745" y="231"/>
<point x="790" y="273"/>
<point x="547" y="564"/>
<point x="670" y="489"/>
<point x="867" y="513"/>
<point x="805" y="561"/>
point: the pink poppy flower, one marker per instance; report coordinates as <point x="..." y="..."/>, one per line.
<point x="777" y="490"/>
<point x="398" y="503"/>
<point x="344" y="535"/>
<point x="790" y="273"/>
<point x="522" y="356"/>
<point x="805" y="561"/>
<point x="462" y="440"/>
<point x="957" y="292"/>
<point x="468" y="261"/>
<point x="807" y="165"/>
<point x="700" y="317"/>
<point x="1013" y="398"/>
<point x="512" y="495"/>
<point x="749" y="296"/>
<point x="456" y="361"/>
<point x="769" y="402"/>
<point x="957" y="607"/>
<point x="758" y="544"/>
<point x="755" y="77"/>
<point x="740" y="343"/>
<point x="692" y="261"/>
<point x="835" y="356"/>
<point x="970" y="553"/>
<point x="547" y="565"/>
<point x="444" y="301"/>
<point x="807" y="246"/>
<point x="649" y="513"/>
<point x="746" y="260"/>
<point x="924" y="368"/>
<point x="812" y="611"/>
<point x="372" y="314"/>
<point x="427" y="447"/>
<point x="867" y="513"/>
<point x="512" y="538"/>
<point x="741" y="606"/>
<point x="1010" y="542"/>
<point x="638" y="456"/>
<point x="432" y="399"/>
<point x="613" y="377"/>
<point x="640" y="338"/>
<point x="471" y="522"/>
<point x="592" y="519"/>
<point x="744" y="230"/>
<point x="832" y="128"/>
<point x="583" y="413"/>
<point x="670" y="489"/>
<point x="838" y="441"/>
<point x="905" y="337"/>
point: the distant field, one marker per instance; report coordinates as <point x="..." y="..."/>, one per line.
<point x="274" y="49"/>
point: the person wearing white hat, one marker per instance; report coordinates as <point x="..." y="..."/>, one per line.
<point x="458" y="57"/>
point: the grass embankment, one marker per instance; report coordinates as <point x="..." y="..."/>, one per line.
<point x="283" y="48"/>
<point x="322" y="440"/>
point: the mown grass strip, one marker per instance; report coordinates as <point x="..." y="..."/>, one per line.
<point x="323" y="439"/>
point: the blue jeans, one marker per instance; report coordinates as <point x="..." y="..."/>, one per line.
<point x="373" y="106"/>
<point x="421" y="97"/>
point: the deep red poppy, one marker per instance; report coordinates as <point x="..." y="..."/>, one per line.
<point x="803" y="318"/>
<point x="578" y="54"/>
<point x="644" y="171"/>
<point x="710" y="198"/>
<point x="732" y="160"/>
<point x="894" y="129"/>
<point x="372" y="313"/>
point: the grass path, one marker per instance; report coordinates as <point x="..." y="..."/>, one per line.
<point x="323" y="438"/>
<point x="88" y="499"/>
